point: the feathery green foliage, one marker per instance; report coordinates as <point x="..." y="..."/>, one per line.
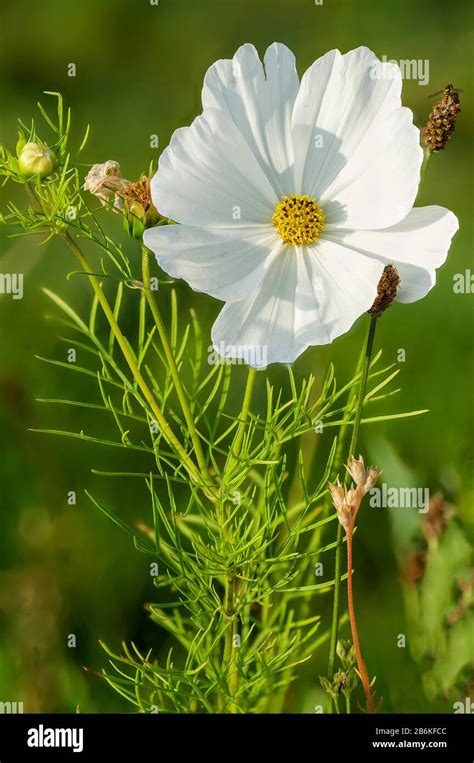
<point x="232" y="555"/>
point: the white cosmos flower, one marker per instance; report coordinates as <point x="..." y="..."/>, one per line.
<point x="296" y="272"/>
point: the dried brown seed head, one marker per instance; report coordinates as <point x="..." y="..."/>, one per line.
<point x="386" y="291"/>
<point x="442" y="120"/>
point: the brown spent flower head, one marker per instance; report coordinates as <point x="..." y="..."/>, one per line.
<point x="414" y="565"/>
<point x="438" y="515"/>
<point x="104" y="179"/>
<point x="137" y="206"/>
<point x="138" y="195"/>
<point x="386" y="291"/>
<point x="442" y="120"/>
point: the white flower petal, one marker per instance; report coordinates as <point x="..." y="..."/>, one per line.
<point x="416" y="246"/>
<point x="344" y="285"/>
<point x="308" y="296"/>
<point x="378" y="186"/>
<point x="260" y="102"/>
<point x="227" y="263"/>
<point x="260" y="329"/>
<point x="342" y="137"/>
<point x="356" y="149"/>
<point x="208" y="177"/>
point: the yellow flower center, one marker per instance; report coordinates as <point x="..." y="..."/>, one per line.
<point x="298" y="219"/>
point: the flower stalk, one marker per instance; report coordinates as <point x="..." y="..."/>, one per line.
<point x="347" y="502"/>
<point x="369" y="344"/>
<point x="362" y="670"/>
<point x="150" y="298"/>
<point x="131" y="360"/>
<point x="229" y="661"/>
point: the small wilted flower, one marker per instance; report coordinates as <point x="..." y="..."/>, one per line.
<point x="372" y="476"/>
<point x="346" y="502"/>
<point x="338" y="494"/>
<point x="104" y="179"/>
<point x="363" y="478"/>
<point x="356" y="469"/>
<point x="442" y="120"/>
<point x="132" y="199"/>
<point x="138" y="208"/>
<point x="36" y="159"/>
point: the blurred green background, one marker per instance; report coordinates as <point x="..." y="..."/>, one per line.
<point x="64" y="569"/>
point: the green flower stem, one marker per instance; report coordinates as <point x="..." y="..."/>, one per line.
<point x="340" y="531"/>
<point x="32" y="195"/>
<point x="342" y="436"/>
<point x="132" y="363"/>
<point x="229" y="661"/>
<point x="150" y="298"/>
<point x="348" y="702"/>
<point x="424" y="166"/>
<point x="235" y="453"/>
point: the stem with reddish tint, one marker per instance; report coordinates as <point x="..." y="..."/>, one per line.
<point x="355" y="637"/>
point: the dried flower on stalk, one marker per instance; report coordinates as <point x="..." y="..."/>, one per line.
<point x="365" y="478"/>
<point x="138" y="208"/>
<point x="347" y="500"/>
<point x="442" y="120"/>
<point x="386" y="291"/>
<point x="105" y="179"/>
<point x="346" y="503"/>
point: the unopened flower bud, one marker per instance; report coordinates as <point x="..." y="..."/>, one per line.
<point x="341" y="650"/>
<point x="340" y="680"/>
<point x="36" y="159"/>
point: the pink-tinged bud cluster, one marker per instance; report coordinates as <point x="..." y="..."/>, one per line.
<point x="365" y="478"/>
<point x="347" y="500"/>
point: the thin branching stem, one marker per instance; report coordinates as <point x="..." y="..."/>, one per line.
<point x="132" y="363"/>
<point x="355" y="637"/>
<point x="369" y="344"/>
<point x="244" y="413"/>
<point x="163" y="334"/>
<point x="229" y="661"/>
